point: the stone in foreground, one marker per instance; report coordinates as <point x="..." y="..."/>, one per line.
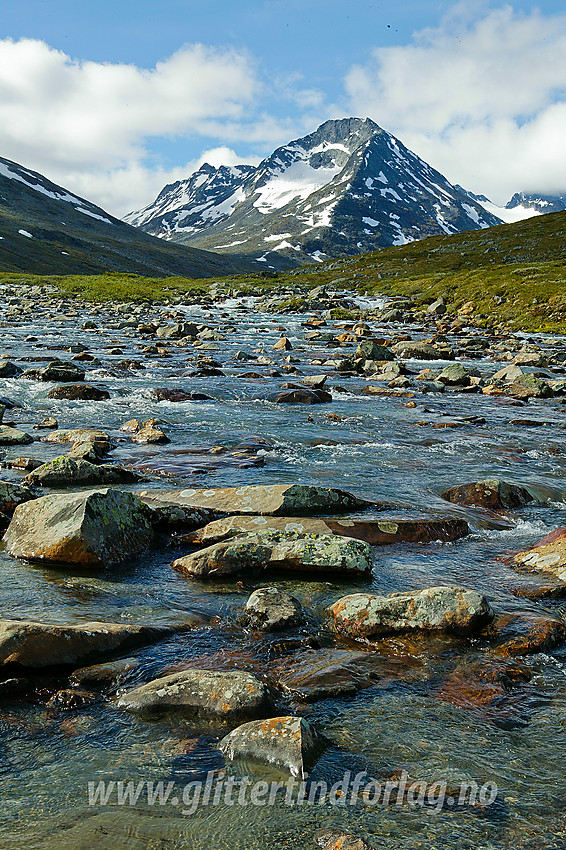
<point x="375" y="532"/>
<point x="491" y="493"/>
<point x="288" y="742"/>
<point x="31" y="644"/>
<point x="548" y="556"/>
<point x="270" y="499"/>
<point x="293" y="552"/>
<point x="94" y="527"/>
<point x="270" y="609"/>
<point x="337" y="839"/>
<point x="450" y="609"/>
<point x="225" y="695"/>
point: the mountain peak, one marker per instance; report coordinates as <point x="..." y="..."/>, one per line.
<point x="347" y="187"/>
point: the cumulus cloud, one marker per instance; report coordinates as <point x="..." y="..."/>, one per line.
<point x="87" y="124"/>
<point x="482" y="97"/>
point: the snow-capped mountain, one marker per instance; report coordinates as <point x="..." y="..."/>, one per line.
<point x="538" y="203"/>
<point x="347" y="188"/>
<point x="46" y="229"/>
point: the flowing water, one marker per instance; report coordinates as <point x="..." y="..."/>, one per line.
<point x="372" y="446"/>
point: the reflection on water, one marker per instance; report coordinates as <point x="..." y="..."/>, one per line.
<point x="413" y="712"/>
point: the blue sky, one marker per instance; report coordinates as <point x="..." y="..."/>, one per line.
<point x="114" y="99"/>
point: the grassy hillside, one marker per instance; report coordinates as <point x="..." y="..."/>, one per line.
<point x="515" y="275"/>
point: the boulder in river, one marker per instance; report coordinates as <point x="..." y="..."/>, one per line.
<point x="292" y="552"/>
<point x="67" y="472"/>
<point x="270" y="609"/>
<point x="61" y="371"/>
<point x="265" y="499"/>
<point x="376" y="532"/>
<point x="492" y="493"/>
<point x="31" y="644"/>
<point x="9" y="369"/>
<point x="301" y="395"/>
<point x="370" y="350"/>
<point x="78" y="392"/>
<point x="14" y="437"/>
<point x="89" y="528"/>
<point x="548" y="556"/>
<point x="150" y="432"/>
<point x="450" y="609"/>
<point x="222" y="695"/>
<point x="417" y="350"/>
<point x="288" y="742"/>
<point x="12" y="495"/>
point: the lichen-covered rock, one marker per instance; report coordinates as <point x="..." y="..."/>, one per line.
<point x="265" y="499"/>
<point x="275" y="550"/>
<point x="94" y="527"/>
<point x="270" y="609"/>
<point x="373" y="531"/>
<point x="67" y="472"/>
<point x="548" y="556"/>
<point x="491" y="493"/>
<point x="451" y="609"/>
<point x="31" y="644"/>
<point x="14" y="437"/>
<point x="454" y="375"/>
<point x="79" y="435"/>
<point x="12" y="495"/>
<point x="288" y="742"/>
<point x="224" y="695"/>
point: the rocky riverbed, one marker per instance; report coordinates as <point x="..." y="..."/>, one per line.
<point x="276" y="544"/>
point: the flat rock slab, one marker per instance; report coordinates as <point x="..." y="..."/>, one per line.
<point x="548" y="556"/>
<point x="32" y="644"/>
<point x="94" y="527"/>
<point x="375" y="532"/>
<point x="270" y="499"/>
<point x="274" y="550"/>
<point x="450" y="609"/>
<point x="288" y="742"/>
<point x="492" y="493"/>
<point x="225" y="695"/>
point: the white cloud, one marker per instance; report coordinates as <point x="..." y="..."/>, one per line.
<point x="482" y="98"/>
<point x="88" y="125"/>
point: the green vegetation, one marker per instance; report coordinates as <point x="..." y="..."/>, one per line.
<point x="514" y="275"/>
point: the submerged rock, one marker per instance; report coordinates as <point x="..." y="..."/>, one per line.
<point x="265" y="499"/>
<point x="90" y="528"/>
<point x="491" y="493"/>
<point x="375" y="532"/>
<point x="225" y="695"/>
<point x="451" y="609"/>
<point x="548" y="556"/>
<point x="270" y="609"/>
<point x="337" y="839"/>
<point x="525" y="633"/>
<point x="66" y="472"/>
<point x="313" y="674"/>
<point x="289" y="742"/>
<point x="104" y="675"/>
<point x="32" y="644"/>
<point x="275" y="550"/>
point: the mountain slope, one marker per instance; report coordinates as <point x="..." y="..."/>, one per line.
<point x="47" y="230"/>
<point x="347" y="188"/>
